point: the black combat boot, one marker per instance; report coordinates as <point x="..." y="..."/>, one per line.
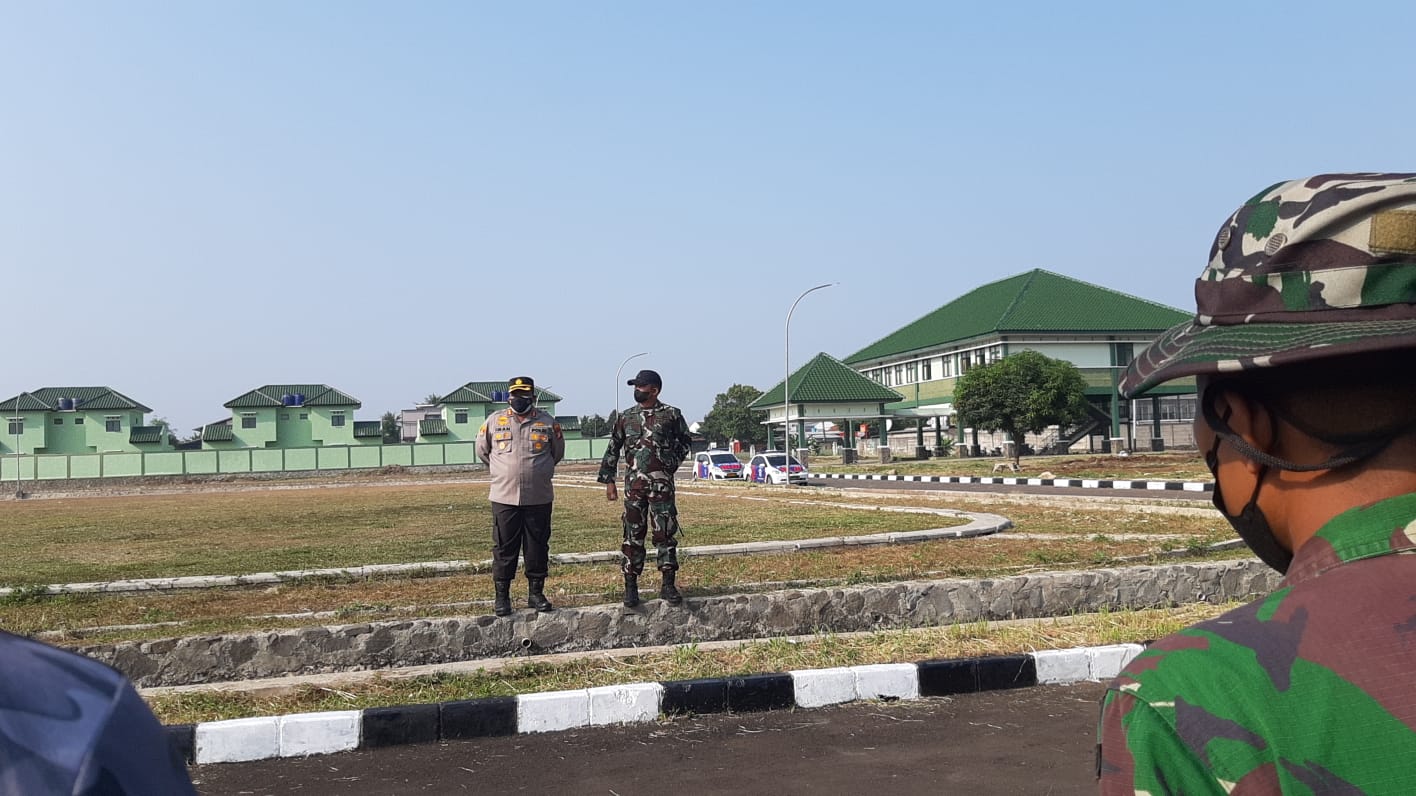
<point x="536" y="599"/>
<point x="631" y="591"/>
<point x="502" y="607"/>
<point x="669" y="593"/>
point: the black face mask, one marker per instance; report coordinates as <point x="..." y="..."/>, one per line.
<point x="520" y="404"/>
<point x="1250" y="523"/>
<point x="640" y="396"/>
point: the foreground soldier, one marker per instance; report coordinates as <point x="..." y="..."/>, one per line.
<point x="655" y="441"/>
<point x="71" y="725"/>
<point x="522" y="446"/>
<point x="1305" y="349"/>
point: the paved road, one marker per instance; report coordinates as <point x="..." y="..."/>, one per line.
<point x="1019" y="489"/>
<point x="1038" y="740"/>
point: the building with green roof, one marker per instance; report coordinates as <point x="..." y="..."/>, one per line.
<point x="824" y="389"/>
<point x="291" y="416"/>
<point x="1095" y="328"/>
<point x="57" y="420"/>
<point x="458" y="414"/>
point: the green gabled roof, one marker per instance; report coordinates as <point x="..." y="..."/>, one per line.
<point x="46" y="399"/>
<point x="145" y="434"/>
<point x="826" y="379"/>
<point x="1035" y="301"/>
<point x="432" y="427"/>
<point x="568" y="422"/>
<point x="368" y="428"/>
<point x="217" y="432"/>
<point x="270" y="395"/>
<point x="24" y="402"/>
<point x="480" y="392"/>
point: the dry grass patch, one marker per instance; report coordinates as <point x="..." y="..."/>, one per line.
<point x="249" y="609"/>
<point x="689" y="661"/>
<point x="90" y="539"/>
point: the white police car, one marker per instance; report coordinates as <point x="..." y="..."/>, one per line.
<point x="716" y="465"/>
<point x="772" y="468"/>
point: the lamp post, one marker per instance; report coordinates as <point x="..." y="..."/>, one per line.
<point x="620" y="371"/>
<point x="19" y="490"/>
<point x="787" y="386"/>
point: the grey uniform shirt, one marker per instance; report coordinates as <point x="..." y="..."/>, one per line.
<point x="522" y="452"/>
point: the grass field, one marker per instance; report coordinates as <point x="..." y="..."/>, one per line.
<point x="88" y="539"/>
<point x="229" y="533"/>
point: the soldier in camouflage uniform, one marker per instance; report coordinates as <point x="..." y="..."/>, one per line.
<point x="1304" y="346"/>
<point x="655" y="440"/>
<point x="71" y="725"/>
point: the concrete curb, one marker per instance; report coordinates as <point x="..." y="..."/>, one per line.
<point x="1074" y="483"/>
<point x="303" y="734"/>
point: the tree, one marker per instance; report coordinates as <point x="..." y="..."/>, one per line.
<point x="1019" y="393"/>
<point x="594" y="426"/>
<point x="391" y="431"/>
<point x="432" y="398"/>
<point x="173" y="437"/>
<point x="731" y="419"/>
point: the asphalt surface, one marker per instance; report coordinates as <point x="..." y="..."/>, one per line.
<point x="1038" y="740"/>
<point x="1012" y="489"/>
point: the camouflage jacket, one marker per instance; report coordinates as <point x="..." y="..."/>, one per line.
<point x="653" y="440"/>
<point x="1306" y="691"/>
<point x="69" y="724"/>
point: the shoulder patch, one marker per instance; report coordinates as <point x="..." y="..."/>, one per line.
<point x="557" y="427"/>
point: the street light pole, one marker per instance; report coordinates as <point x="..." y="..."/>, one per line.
<point x="787" y="386"/>
<point x="19" y="490"/>
<point x="619" y="371"/>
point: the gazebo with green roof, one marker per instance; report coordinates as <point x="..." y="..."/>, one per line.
<point x="825" y="389"/>
<point x="1095" y="328"/>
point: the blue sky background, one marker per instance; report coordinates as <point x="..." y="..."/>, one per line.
<point x="200" y="198"/>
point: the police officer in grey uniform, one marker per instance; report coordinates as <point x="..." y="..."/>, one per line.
<point x="522" y="446"/>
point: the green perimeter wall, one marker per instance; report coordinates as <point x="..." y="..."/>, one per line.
<point x="58" y="467"/>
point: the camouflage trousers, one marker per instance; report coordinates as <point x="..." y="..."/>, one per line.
<point x="649" y="506"/>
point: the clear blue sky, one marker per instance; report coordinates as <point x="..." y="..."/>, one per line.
<point x="396" y="198"/>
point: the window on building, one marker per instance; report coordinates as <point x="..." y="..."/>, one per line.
<point x="899" y="374"/>
<point x="995" y="353"/>
<point x="1173" y="408"/>
<point x="58" y="421"/>
<point x="946" y="367"/>
<point x="78" y="421"/>
<point x="17" y="425"/>
<point x="284" y="415"/>
<point x="460" y="416"/>
<point x="911" y="373"/>
<point x="925" y="369"/>
<point x="1125" y="352"/>
<point x="112" y="424"/>
<point x="248" y="421"/>
<point x="336" y="419"/>
<point x="304" y="415"/>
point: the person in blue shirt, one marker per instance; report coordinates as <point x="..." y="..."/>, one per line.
<point x="71" y="725"/>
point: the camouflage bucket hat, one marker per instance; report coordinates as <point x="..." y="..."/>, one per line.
<point x="1306" y="270"/>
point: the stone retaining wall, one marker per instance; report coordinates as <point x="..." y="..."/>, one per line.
<point x="201" y="659"/>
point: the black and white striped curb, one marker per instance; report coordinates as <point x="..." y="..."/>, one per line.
<point x="302" y="734"/>
<point x="1076" y="483"/>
